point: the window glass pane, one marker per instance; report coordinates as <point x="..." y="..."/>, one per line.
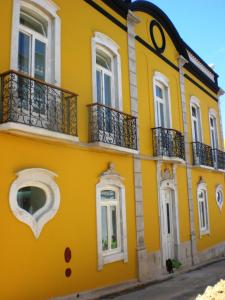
<point x="104" y="228"/>
<point x="161" y="109"/>
<point x="40" y="54"/>
<point x="107" y="89"/>
<point x="114" y="241"/>
<point x="195" y="131"/>
<point x="31" y="198"/>
<point x="159" y="92"/>
<point x="168" y="217"/>
<point x="108" y="195"/>
<point x="99" y="85"/>
<point x="24" y="53"/>
<point x="202" y="214"/>
<point x="34" y="23"/>
<point x="103" y="60"/>
<point x="194" y="112"/>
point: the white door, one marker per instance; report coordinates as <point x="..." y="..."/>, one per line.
<point x="168" y="224"/>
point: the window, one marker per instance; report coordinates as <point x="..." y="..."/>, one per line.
<point x="219" y="196"/>
<point x="111" y="218"/>
<point x="203" y="209"/>
<point x="107" y="86"/>
<point x="162" y="101"/>
<point x="36" y="40"/>
<point x="213" y="131"/>
<point x="34" y="198"/>
<point x="196" y="120"/>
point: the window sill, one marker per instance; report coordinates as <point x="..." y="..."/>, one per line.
<point x="208" y="168"/>
<point x="170" y="159"/>
<point x="35" y="132"/>
<point x="110" y="258"/>
<point x="113" y="148"/>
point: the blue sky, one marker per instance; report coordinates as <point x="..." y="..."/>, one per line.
<point x="201" y="24"/>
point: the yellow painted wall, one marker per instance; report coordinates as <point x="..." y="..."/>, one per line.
<point x="36" y="268"/>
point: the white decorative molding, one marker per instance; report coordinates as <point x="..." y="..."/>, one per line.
<point x="200" y="66"/>
<point x="43" y="179"/>
<point x="219" y="190"/>
<point x="36" y="132"/>
<point x="111" y="179"/>
<point x="213" y="112"/>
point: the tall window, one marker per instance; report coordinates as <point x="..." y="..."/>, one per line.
<point x="213" y="131"/>
<point x="111" y="218"/>
<point x="104" y="77"/>
<point x="203" y="209"/>
<point x="162" y="101"/>
<point x="33" y="44"/>
<point x="107" y="85"/>
<point x="196" y="123"/>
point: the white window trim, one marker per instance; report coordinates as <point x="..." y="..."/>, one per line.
<point x="213" y="114"/>
<point x="43" y="179"/>
<point x="219" y="188"/>
<point x="45" y="6"/>
<point x="203" y="186"/>
<point x="159" y="77"/>
<point x="104" y="41"/>
<point x="111" y="179"/>
<point x="196" y="103"/>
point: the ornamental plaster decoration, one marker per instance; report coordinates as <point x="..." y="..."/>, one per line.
<point x="219" y="196"/>
<point x="47" y="208"/>
<point x="167" y="174"/>
<point x="111" y="174"/>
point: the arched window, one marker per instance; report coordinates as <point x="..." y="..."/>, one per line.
<point x="203" y="213"/>
<point x="111" y="218"/>
<point x="213" y="128"/>
<point x="36" y="40"/>
<point x="107" y="86"/>
<point x="196" y="120"/>
<point x="219" y="196"/>
<point x="34" y="198"/>
<point x="162" y="101"/>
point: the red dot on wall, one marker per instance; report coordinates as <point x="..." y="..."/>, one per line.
<point x="67" y="254"/>
<point x="68" y="272"/>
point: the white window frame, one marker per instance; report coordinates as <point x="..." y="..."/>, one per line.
<point x="162" y="80"/>
<point x="44" y="8"/>
<point x="101" y="41"/>
<point x="203" y="230"/>
<point x="111" y="180"/>
<point x="194" y="102"/>
<point x="43" y="179"/>
<point x="213" y="115"/>
<point x="219" y="189"/>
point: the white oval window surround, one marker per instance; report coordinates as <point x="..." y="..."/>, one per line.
<point x="34" y="198"/>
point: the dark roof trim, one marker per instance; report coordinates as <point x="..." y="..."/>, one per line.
<point x="118" y="6"/>
<point x="201" y="61"/>
<point x="162" y="18"/>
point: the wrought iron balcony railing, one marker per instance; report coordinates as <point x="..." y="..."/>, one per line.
<point x="168" y="142"/>
<point x="111" y="126"/>
<point x="36" y="103"/>
<point x="218" y="159"/>
<point x="202" y="154"/>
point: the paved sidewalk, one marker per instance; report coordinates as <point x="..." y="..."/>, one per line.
<point x="183" y="287"/>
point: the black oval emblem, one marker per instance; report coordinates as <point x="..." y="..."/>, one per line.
<point x="159" y="48"/>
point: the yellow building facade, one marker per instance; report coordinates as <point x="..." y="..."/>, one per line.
<point x="112" y="157"/>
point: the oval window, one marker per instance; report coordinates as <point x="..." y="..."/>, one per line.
<point x="31" y="199"/>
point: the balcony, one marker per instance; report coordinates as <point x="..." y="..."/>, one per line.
<point x="168" y="143"/>
<point x="36" y="107"/>
<point x="218" y="159"/>
<point x="111" y="128"/>
<point x="202" y="154"/>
